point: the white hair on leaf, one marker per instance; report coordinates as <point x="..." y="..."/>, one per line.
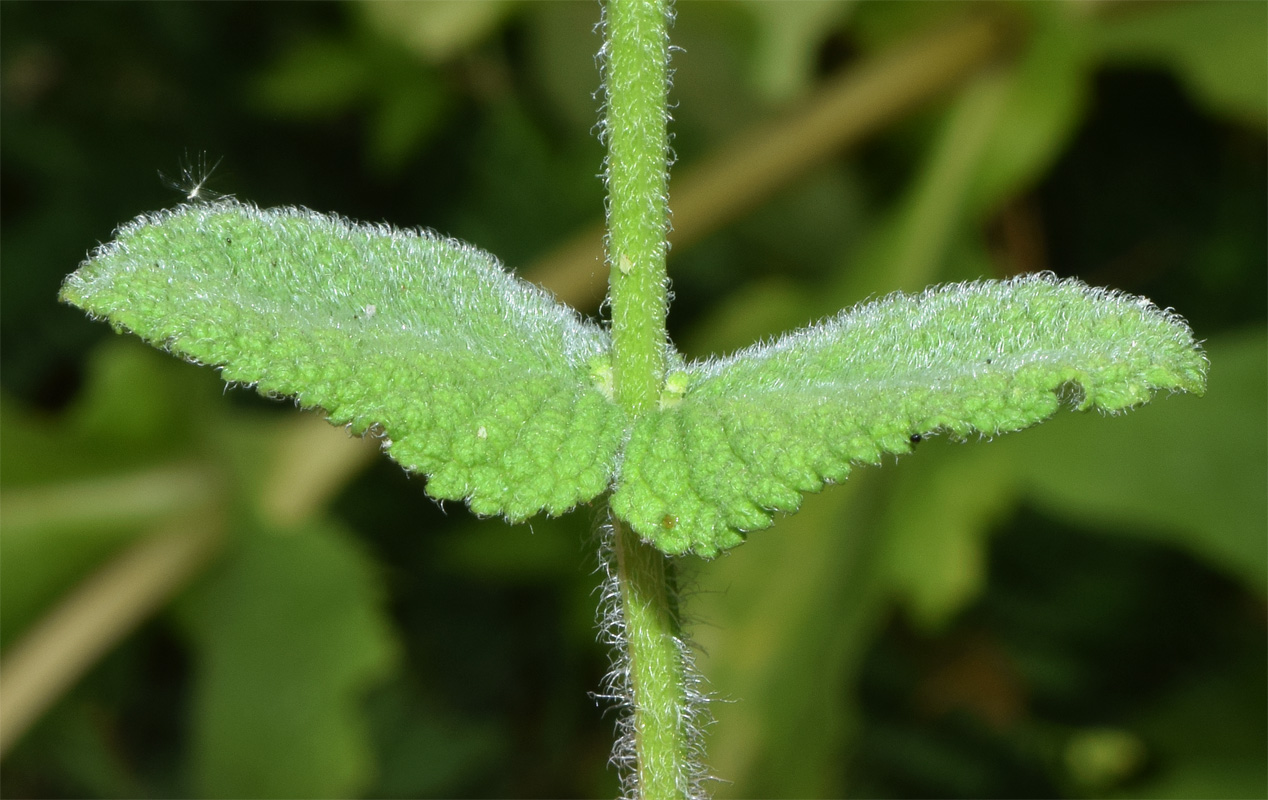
<point x="192" y="181"/>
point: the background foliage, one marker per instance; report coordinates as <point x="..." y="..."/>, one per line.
<point x="1074" y="611"/>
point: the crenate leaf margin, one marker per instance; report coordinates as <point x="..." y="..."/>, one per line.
<point x="750" y="434"/>
<point x="470" y="375"/>
<point x="503" y="396"/>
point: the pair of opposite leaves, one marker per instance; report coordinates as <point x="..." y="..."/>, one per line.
<point x="502" y="396"/>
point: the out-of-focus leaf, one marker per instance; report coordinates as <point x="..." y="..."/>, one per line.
<point x="111" y="440"/>
<point x="919" y="239"/>
<point x="881" y="25"/>
<point x="825" y="214"/>
<point x="758" y="310"/>
<point x="1099" y="759"/>
<point x="439" y="29"/>
<point x="908" y="249"/>
<point x="529" y="187"/>
<point x="712" y="91"/>
<point x="67" y="750"/>
<point x="1043" y="103"/>
<point x="1194" y="473"/>
<point x="402" y="98"/>
<point x="427" y="751"/>
<point x="57" y="534"/>
<point x="288" y="633"/>
<point x="1217" y="48"/>
<point x="1210" y="738"/>
<point x="547" y="552"/>
<point x="786" y="622"/>
<point x="1138" y="475"/>
<point x="1004" y="130"/>
<point x="936" y="525"/>
<point x="315" y="77"/>
<point x="563" y="62"/>
<point x="111" y="427"/>
<point x="404" y="119"/>
<point x="787" y="41"/>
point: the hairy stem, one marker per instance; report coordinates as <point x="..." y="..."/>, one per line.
<point x="634" y="128"/>
<point x="655" y="673"/>
<point x="744" y="171"/>
<point x="654" y="679"/>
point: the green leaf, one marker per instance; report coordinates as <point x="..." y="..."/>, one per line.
<point x="288" y="634"/>
<point x="1046" y="98"/>
<point x="749" y="434"/>
<point x="813" y="597"/>
<point x="1217" y="49"/>
<point x="1208" y="738"/>
<point x="502" y="396"/>
<point x="786" y="41"/>
<point x="476" y="378"/>
<point x="77" y="488"/>
<point x="940" y="513"/>
<point x="314" y="77"/>
<point x="1193" y="475"/>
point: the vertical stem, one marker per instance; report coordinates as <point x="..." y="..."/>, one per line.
<point x="635" y="64"/>
<point x="634" y="127"/>
<point x="661" y="725"/>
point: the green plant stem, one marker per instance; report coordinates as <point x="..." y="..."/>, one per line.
<point x="657" y="678"/>
<point x="636" y="77"/>
<point x="634" y="127"/>
<point x="746" y="170"/>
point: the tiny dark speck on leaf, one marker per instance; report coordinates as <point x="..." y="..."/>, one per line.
<point x="916" y="438"/>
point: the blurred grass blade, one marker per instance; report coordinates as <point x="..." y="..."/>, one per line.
<point x="135" y="499"/>
<point x="68" y="640"/>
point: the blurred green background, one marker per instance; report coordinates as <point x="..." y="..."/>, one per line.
<point x="1074" y="611"/>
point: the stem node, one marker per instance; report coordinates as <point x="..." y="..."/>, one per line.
<point x="652" y="677"/>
